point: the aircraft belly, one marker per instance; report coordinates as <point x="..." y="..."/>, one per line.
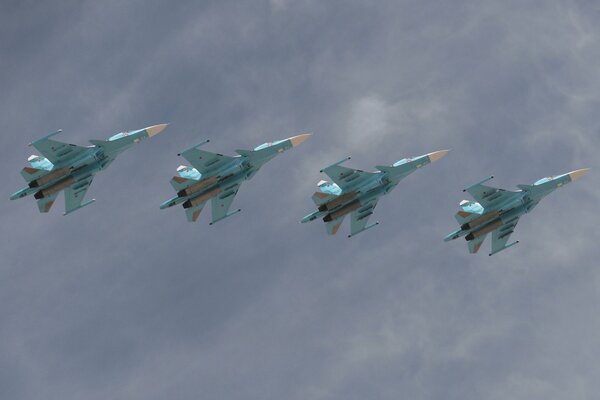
<point x="202" y="198"/>
<point x="53" y="175"/>
<point x="55" y="188"/>
<point x="196" y="187"/>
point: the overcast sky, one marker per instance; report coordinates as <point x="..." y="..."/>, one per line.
<point x="121" y="300"/>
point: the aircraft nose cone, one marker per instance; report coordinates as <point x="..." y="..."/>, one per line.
<point x="436" y="155"/>
<point x="296" y="140"/>
<point x="155" y="129"/>
<point x="574" y="175"/>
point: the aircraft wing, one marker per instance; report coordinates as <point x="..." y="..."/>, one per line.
<point x="205" y="161"/>
<point x="500" y="236"/>
<point x="488" y="195"/>
<point x="75" y="193"/>
<point x="57" y="152"/>
<point x="361" y="216"/>
<point x="345" y="177"/>
<point x="222" y="202"/>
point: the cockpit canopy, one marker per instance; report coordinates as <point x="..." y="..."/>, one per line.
<point x="118" y="136"/>
<point x="188" y="172"/>
<point x="543" y="180"/>
<point x="267" y="144"/>
<point x="329" y="188"/>
<point x="403" y="161"/>
<point x="471" y="206"/>
<point x="40" y="162"/>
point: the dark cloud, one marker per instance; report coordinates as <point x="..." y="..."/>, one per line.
<point x="122" y="300"/>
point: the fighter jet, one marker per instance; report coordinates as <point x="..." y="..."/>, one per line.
<point x="357" y="192"/>
<point x="498" y="210"/>
<point x="216" y="177"/>
<point x="71" y="168"/>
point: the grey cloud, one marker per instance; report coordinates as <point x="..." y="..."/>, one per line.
<point x="122" y="300"/>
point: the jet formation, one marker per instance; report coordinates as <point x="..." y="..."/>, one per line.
<point x="72" y="168"/>
<point x="357" y="192"/>
<point x="217" y="177"/>
<point x="498" y="210"/>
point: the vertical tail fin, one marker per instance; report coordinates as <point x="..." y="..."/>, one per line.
<point x="31" y="174"/>
<point x="333" y="226"/>
<point x="469" y="210"/>
<point x="45" y="204"/>
<point x="193" y="213"/>
<point x="322" y="198"/>
<point x="180" y="183"/>
<point x="462" y="217"/>
<point x="475" y="244"/>
<point x="327" y="192"/>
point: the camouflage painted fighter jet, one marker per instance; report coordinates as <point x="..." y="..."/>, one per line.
<point x="71" y="168"/>
<point x="217" y="177"/>
<point x="498" y="210"/>
<point x="357" y="192"/>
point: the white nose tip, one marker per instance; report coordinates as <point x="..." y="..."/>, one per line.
<point x="574" y="175"/>
<point x="296" y="140"/>
<point x="155" y="129"/>
<point x="436" y="155"/>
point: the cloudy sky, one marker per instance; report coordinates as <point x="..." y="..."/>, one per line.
<point x="124" y="301"/>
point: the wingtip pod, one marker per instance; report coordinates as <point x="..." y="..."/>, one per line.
<point x="436" y="155"/>
<point x="155" y="129"/>
<point x="578" y="173"/>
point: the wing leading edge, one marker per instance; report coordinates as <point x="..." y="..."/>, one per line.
<point x="221" y="203"/>
<point x="205" y="161"/>
<point x="56" y="151"/>
<point x="346" y="177"/>
<point x="488" y="195"/>
<point x="75" y="193"/>
<point x="501" y="235"/>
<point x="360" y="218"/>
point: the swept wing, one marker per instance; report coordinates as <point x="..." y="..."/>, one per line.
<point x="475" y="244"/>
<point x="193" y="213"/>
<point x="361" y="216"/>
<point x="46" y="203"/>
<point x="501" y="235"/>
<point x="75" y="193"/>
<point x="488" y="196"/>
<point x="57" y="152"/>
<point x="346" y="177"/>
<point x="205" y="161"/>
<point x="333" y="226"/>
<point x="222" y="202"/>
